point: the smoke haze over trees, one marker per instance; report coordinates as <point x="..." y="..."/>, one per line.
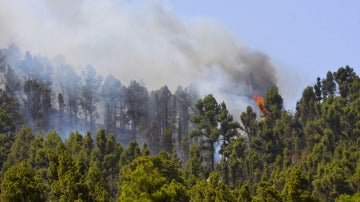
<point x="53" y="96"/>
<point x="161" y="145"/>
<point x="139" y="40"/>
<point x="125" y="100"/>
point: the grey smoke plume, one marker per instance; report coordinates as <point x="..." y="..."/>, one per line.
<point x="138" y="40"/>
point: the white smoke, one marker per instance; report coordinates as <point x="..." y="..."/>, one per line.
<point x="138" y="40"/>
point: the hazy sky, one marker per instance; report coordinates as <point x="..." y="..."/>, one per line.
<point x="215" y="43"/>
<point x="307" y="37"/>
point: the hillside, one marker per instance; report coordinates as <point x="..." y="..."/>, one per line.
<point x="136" y="145"/>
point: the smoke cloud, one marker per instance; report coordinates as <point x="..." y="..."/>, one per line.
<point x="139" y="40"/>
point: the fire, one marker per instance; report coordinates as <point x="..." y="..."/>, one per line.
<point x="261" y="104"/>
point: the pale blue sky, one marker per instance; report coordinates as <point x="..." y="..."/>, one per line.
<point x="307" y="38"/>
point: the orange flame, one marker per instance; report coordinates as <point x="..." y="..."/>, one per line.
<point x="261" y="104"/>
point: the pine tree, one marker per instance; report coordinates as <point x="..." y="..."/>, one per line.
<point x="206" y="121"/>
<point x="20" y="184"/>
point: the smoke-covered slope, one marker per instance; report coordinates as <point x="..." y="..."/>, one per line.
<point x="140" y="40"/>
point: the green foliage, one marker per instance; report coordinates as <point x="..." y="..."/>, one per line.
<point x="130" y="153"/>
<point x="248" y="120"/>
<point x="328" y="85"/>
<point x="145" y="151"/>
<point x="348" y="198"/>
<point x="98" y="189"/>
<point x="6" y="122"/>
<point x="297" y="187"/>
<point x="312" y="155"/>
<point x="235" y="164"/>
<point x="307" y="105"/>
<point x="167" y="140"/>
<point x="151" y="179"/>
<point x="68" y="186"/>
<point x="244" y="193"/>
<point x="112" y="154"/>
<point x="331" y="181"/>
<point x="344" y="77"/>
<point x="211" y="190"/>
<point x="20" y="184"/>
<point x="10" y="115"/>
<point x="266" y="192"/>
<point x="273" y="103"/>
<point x="228" y="130"/>
<point x="37" y="158"/>
<point x="6" y="143"/>
<point x="193" y="169"/>
<point x="73" y="143"/>
<point x="20" y="148"/>
<point x="206" y="121"/>
<point x="38" y="103"/>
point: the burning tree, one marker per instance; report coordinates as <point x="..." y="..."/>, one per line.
<point x="261" y="104"/>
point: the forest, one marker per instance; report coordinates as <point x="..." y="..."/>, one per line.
<point x="77" y="136"/>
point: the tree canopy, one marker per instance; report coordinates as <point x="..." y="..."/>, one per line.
<point x="143" y="145"/>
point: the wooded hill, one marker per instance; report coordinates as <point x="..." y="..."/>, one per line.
<point x="161" y="146"/>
